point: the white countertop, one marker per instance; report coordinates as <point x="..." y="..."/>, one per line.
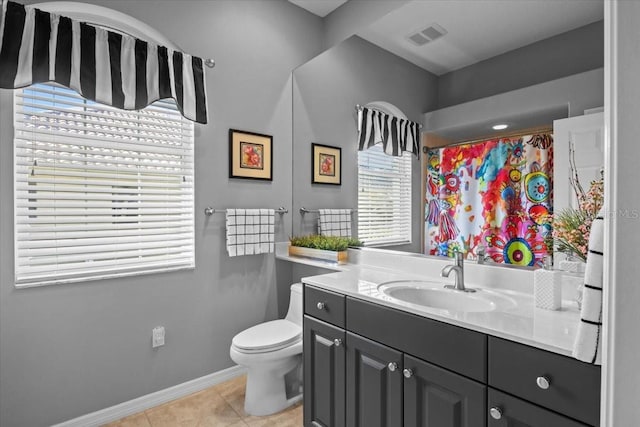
<point x="549" y="330"/>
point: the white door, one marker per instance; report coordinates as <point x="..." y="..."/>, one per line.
<point x="587" y="135"/>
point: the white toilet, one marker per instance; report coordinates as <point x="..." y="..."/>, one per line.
<point x="272" y="354"/>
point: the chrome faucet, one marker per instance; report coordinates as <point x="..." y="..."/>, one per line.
<point x="458" y="268"/>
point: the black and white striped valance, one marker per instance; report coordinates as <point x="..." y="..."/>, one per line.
<point x="395" y="134"/>
<point x="104" y="66"/>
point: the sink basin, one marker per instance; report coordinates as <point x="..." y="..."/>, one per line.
<point x="434" y="295"/>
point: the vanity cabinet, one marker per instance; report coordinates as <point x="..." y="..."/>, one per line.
<point x="367" y="365"/>
<point x="357" y="380"/>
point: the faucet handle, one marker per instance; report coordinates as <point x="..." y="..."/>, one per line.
<point x="457" y="255"/>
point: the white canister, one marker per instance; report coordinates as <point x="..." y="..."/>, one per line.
<point x="547" y="287"/>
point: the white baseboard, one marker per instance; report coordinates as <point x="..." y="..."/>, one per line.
<point x="142" y="403"/>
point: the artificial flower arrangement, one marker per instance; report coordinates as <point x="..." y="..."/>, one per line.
<point x="571" y="226"/>
<point x="326" y="243"/>
<point x="329" y="248"/>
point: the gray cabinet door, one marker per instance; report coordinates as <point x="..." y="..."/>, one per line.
<point x="513" y="412"/>
<point x="324" y="374"/>
<point x="374" y="390"/>
<point x="435" y="397"/>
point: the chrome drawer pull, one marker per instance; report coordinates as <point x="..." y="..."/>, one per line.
<point x="543" y="382"/>
<point x="321" y="305"/>
<point x="496" y="413"/>
<point x="337" y="342"/>
<point x="392" y="366"/>
<point x="408" y="373"/>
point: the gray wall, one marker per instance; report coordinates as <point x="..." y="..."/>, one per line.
<point x="535" y="105"/>
<point x="71" y="349"/>
<point x="325" y="93"/>
<point x="568" y="53"/>
<point x="622" y="292"/>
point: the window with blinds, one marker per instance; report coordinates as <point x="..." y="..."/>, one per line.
<point x="99" y="192"/>
<point x="384" y="197"/>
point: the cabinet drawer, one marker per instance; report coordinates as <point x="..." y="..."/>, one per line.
<point x="515" y="412"/>
<point x="324" y="305"/>
<point x="574" y="386"/>
<point x="448" y="346"/>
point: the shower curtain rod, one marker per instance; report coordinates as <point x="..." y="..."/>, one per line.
<point x="304" y="210"/>
<point x="521" y="132"/>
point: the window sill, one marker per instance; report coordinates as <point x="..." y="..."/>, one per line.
<point x="385" y="244"/>
<point x="53" y="282"/>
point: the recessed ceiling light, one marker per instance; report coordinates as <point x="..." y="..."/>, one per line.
<point x="500" y="127"/>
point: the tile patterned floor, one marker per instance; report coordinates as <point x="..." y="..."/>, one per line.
<point x="218" y="406"/>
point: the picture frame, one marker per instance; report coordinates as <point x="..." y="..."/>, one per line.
<point x="326" y="164"/>
<point x="250" y="155"/>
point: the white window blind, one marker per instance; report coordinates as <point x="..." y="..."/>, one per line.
<point x="384" y="197"/>
<point x="99" y="192"/>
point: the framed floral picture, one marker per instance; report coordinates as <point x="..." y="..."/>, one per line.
<point x="326" y="164"/>
<point x="250" y="155"/>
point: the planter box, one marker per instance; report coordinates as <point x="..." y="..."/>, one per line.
<point x="333" y="256"/>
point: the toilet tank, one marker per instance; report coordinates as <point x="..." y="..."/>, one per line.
<point x="294" y="314"/>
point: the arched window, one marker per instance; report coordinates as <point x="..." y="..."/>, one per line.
<point x="99" y="192"/>
<point x="384" y="197"/>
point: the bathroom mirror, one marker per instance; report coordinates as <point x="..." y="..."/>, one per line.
<point x="326" y="91"/>
<point x="455" y="106"/>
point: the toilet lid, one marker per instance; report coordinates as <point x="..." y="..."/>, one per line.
<point x="266" y="336"/>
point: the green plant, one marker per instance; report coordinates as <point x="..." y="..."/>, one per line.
<point x="327" y="243"/>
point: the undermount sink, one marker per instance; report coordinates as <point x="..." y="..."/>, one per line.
<point x="434" y="295"/>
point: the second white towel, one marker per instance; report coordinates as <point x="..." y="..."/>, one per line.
<point x="250" y="231"/>
<point x="334" y="222"/>
<point x="588" y="344"/>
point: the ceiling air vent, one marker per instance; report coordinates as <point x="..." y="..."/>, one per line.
<point x="426" y="35"/>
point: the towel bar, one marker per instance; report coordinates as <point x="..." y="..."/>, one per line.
<point x="210" y="211"/>
<point x="304" y="210"/>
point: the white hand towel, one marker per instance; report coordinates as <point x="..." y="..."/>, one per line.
<point x="588" y="344"/>
<point x="250" y="231"/>
<point x="334" y="222"/>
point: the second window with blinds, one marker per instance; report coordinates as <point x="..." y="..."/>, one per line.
<point x="384" y="198"/>
<point x="99" y="192"/>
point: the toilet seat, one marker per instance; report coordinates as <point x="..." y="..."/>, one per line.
<point x="267" y="337"/>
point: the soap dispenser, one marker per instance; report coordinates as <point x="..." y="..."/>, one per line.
<point x="547" y="286"/>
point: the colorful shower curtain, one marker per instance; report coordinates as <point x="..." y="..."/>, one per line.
<point x="494" y="194"/>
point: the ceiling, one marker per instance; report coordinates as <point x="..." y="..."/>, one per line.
<point x="319" y="7"/>
<point x="476" y="29"/>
